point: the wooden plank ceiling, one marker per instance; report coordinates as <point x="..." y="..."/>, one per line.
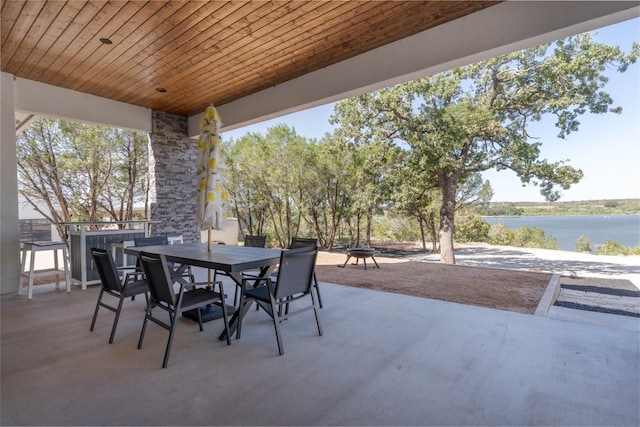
<point x="200" y="52"/>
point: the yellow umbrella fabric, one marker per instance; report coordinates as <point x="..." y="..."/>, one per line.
<point x="212" y="196"/>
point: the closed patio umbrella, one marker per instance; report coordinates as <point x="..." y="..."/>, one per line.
<point x="212" y="196"/>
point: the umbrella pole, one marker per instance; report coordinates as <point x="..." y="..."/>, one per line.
<point x="209" y="249"/>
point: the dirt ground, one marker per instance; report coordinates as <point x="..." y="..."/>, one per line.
<point x="502" y="289"/>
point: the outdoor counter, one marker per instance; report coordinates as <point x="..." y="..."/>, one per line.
<point x="100" y="234"/>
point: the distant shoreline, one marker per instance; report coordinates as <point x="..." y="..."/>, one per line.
<point x="583" y="207"/>
<point x="569" y="229"/>
<point x="559" y="214"/>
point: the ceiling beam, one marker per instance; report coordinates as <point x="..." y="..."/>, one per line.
<point x="39" y="99"/>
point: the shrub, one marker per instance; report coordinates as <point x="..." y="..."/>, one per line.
<point x="526" y="237"/>
<point x="499" y="234"/>
<point x="395" y="228"/>
<point x="611" y="247"/>
<point x="472" y="229"/>
<point x="583" y="244"/>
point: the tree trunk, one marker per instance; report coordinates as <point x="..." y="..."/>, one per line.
<point x="422" y="233"/>
<point x="448" y="186"/>
<point x="431" y="224"/>
<point x="368" y="229"/>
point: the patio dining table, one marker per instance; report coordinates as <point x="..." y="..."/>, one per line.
<point x="232" y="260"/>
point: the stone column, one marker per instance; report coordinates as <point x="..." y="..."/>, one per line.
<point x="172" y="168"/>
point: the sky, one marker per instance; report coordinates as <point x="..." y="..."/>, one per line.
<point x="606" y="147"/>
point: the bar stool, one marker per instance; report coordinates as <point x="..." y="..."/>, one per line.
<point x="34" y="248"/>
<point x="174" y="238"/>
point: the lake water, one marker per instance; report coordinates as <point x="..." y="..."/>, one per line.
<point x="624" y="229"/>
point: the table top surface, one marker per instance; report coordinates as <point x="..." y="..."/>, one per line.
<point x="220" y="257"/>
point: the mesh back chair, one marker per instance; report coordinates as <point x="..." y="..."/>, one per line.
<point x="301" y="242"/>
<point x="163" y="297"/>
<point x="130" y="286"/>
<point x="255" y="241"/>
<point x="294" y="282"/>
<point x="177" y="272"/>
<point x="252" y="241"/>
<point x="151" y="241"/>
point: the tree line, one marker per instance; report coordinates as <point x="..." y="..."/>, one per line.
<point x="417" y="149"/>
<point x="583" y="207"/>
<point x="80" y="172"/>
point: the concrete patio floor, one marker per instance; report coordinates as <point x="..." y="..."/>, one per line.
<point x="384" y="359"/>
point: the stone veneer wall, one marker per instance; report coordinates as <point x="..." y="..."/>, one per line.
<point x="172" y="165"/>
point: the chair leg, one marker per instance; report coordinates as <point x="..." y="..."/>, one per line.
<point x="315" y="283"/>
<point x="199" y="311"/>
<point x="316" y="311"/>
<point x="144" y="326"/>
<point x="243" y="309"/>
<point x="236" y="295"/>
<point x="95" y="313"/>
<point x="172" y="317"/>
<point x="224" y="314"/>
<point x="276" y="324"/>
<point x="115" y="320"/>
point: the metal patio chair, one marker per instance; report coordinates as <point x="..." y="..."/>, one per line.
<point x="163" y="297"/>
<point x="294" y="282"/>
<point x="302" y="242"/>
<point x="131" y="285"/>
<point x="253" y="241"/>
<point x="178" y="272"/>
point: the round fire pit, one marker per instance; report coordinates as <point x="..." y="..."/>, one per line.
<point x="360" y="253"/>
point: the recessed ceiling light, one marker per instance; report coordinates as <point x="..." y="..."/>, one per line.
<point x="161" y="90"/>
<point x="106" y="40"/>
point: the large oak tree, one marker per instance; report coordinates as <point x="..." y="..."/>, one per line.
<point x="475" y="118"/>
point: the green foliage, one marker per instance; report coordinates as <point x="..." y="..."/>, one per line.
<point x="583" y="244"/>
<point x="396" y="228"/>
<point x="416" y="150"/>
<point x="611" y="247"/>
<point x="584" y="207"/>
<point x="460" y="122"/>
<point x="80" y="171"/>
<point x="472" y="229"/>
<point x="499" y="234"/>
<point x="267" y="177"/>
<point x="498" y="209"/>
<point x="287" y="185"/>
<point x="527" y="237"/>
<point x="524" y="237"/>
